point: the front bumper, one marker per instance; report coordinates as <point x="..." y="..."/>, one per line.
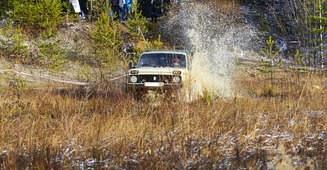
<point x="154" y="86"/>
<point x="154" y="82"/>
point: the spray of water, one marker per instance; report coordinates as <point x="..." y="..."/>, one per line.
<point x="216" y="39"/>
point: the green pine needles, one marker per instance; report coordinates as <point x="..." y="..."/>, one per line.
<point x="136" y="23"/>
<point x="106" y="39"/>
<point x="319" y="30"/>
<point x="14" y="46"/>
<point x="40" y="14"/>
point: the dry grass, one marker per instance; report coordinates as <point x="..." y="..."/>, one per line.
<point x="281" y="125"/>
<point x="225" y="4"/>
<point x="277" y="123"/>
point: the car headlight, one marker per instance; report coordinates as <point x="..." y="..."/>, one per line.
<point x="133" y="79"/>
<point x="177" y="72"/>
<point x="134" y="71"/>
<point x="176" y="79"/>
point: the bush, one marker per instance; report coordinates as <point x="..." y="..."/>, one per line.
<point x="136" y="23"/>
<point x="14" y="46"/>
<point x="39" y="14"/>
<point x="4" y="8"/>
<point x="52" y="55"/>
<point x="106" y="40"/>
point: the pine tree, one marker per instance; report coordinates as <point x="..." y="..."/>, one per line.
<point x="52" y="54"/>
<point x="5" y="6"/>
<point x="50" y="12"/>
<point x="42" y="14"/>
<point x="319" y="29"/>
<point x="96" y="8"/>
<point x="24" y="12"/>
<point x="136" y="23"/>
<point x="14" y="48"/>
<point x="106" y="39"/>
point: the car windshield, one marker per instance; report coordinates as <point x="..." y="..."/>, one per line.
<point x="162" y="60"/>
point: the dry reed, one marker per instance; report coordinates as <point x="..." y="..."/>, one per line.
<point x="278" y="124"/>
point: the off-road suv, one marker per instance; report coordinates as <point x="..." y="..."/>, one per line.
<point x="159" y="71"/>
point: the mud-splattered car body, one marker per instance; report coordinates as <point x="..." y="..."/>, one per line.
<point x="159" y="71"/>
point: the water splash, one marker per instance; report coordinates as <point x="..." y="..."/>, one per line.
<point x="217" y="38"/>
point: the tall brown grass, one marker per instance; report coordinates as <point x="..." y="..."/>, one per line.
<point x="269" y="124"/>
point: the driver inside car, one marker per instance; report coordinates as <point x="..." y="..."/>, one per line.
<point x="176" y="62"/>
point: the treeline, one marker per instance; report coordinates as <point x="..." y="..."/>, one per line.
<point x="310" y="18"/>
<point x="302" y="22"/>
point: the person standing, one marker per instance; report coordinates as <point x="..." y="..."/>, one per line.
<point x="122" y="9"/>
<point x="128" y="8"/>
<point x="155" y="7"/>
<point x="114" y="13"/>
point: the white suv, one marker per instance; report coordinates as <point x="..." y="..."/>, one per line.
<point x="159" y="71"/>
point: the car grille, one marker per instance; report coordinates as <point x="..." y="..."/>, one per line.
<point x="154" y="78"/>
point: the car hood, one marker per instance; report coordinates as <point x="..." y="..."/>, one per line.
<point x="159" y="70"/>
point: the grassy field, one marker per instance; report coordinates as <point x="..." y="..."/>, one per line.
<point x="274" y="122"/>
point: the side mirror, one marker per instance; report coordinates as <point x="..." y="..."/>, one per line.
<point x="130" y="65"/>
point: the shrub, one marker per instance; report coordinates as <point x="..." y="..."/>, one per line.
<point x="4" y="8"/>
<point x="136" y="23"/>
<point x="52" y="55"/>
<point x="40" y="14"/>
<point x="13" y="47"/>
<point x="106" y="40"/>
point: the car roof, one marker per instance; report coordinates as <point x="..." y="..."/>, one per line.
<point x="168" y="51"/>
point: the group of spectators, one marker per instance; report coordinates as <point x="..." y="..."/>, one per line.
<point x="120" y="9"/>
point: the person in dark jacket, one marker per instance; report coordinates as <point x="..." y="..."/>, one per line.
<point x="155" y="7"/>
<point x="114" y="9"/>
